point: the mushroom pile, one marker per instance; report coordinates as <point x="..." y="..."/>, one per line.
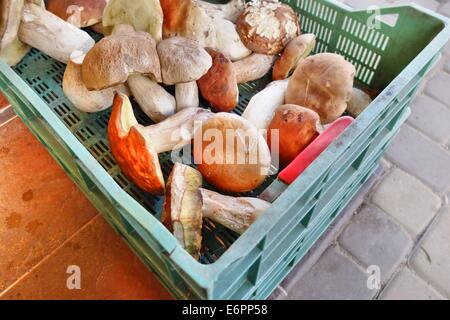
<point x="171" y="55"/>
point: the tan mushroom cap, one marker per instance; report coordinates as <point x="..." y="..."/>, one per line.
<point x="323" y="83"/>
<point x="115" y="57"/>
<point x="80" y="13"/>
<point x="219" y="86"/>
<point x="182" y="60"/>
<point x="132" y="149"/>
<point x="232" y="155"/>
<point x="266" y="27"/>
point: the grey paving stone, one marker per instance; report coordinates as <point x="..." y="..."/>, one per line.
<point x="429" y="4"/>
<point x="407" y="286"/>
<point x="432" y="118"/>
<point x="438" y="88"/>
<point x="407" y="200"/>
<point x="374" y="239"/>
<point x="421" y="157"/>
<point x="363" y="4"/>
<point x="333" y="277"/>
<point x="445" y="9"/>
<point x="447" y="65"/>
<point x="432" y="259"/>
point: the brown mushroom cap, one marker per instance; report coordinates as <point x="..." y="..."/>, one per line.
<point x="75" y="90"/>
<point x="219" y="86"/>
<point x="80" y="13"/>
<point x="297" y="128"/>
<point x="231" y="154"/>
<point x="115" y="57"/>
<point x="182" y="60"/>
<point x="182" y="208"/>
<point x="266" y="27"/>
<point x="132" y="149"/>
<point x="297" y="49"/>
<point x="323" y="83"/>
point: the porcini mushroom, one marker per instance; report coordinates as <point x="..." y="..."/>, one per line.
<point x="115" y="57"/>
<point x="237" y="214"/>
<point x="25" y="23"/>
<point x="261" y="107"/>
<point x="323" y="83"/>
<point x="358" y="103"/>
<point x="143" y="15"/>
<point x="253" y="67"/>
<point x="189" y="19"/>
<point x="136" y="147"/>
<point x="229" y="11"/>
<point x="182" y="60"/>
<point x="297" y="127"/>
<point x="75" y="90"/>
<point x="297" y="49"/>
<point x="266" y="27"/>
<point x="231" y="154"/>
<point x="218" y="86"/>
<point x="182" y="208"/>
<point x="80" y="13"/>
<point x="186" y="95"/>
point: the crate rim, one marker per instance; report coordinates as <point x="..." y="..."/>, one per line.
<point x="205" y="274"/>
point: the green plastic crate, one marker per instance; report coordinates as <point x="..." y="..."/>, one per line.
<point x="390" y="61"/>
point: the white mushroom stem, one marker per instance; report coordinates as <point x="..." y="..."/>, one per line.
<point x="50" y="34"/>
<point x="229" y="11"/>
<point x="186" y="95"/>
<point x="237" y="214"/>
<point x="253" y="67"/>
<point x="262" y="106"/>
<point x="178" y="130"/>
<point x="153" y="99"/>
<point x="228" y="41"/>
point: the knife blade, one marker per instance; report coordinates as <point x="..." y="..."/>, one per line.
<point x="305" y="158"/>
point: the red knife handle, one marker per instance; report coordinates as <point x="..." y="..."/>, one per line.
<point x="307" y="156"/>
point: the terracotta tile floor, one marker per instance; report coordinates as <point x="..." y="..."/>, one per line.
<point x="46" y="225"/>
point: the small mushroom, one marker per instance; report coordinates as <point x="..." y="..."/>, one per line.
<point x="25" y="23"/>
<point x="297" y="127"/>
<point x="115" y="57"/>
<point x="231" y="154"/>
<point x="218" y="86"/>
<point x="358" y="103"/>
<point x="182" y="208"/>
<point x="323" y="83"/>
<point x="228" y="11"/>
<point x="266" y="27"/>
<point x="253" y="67"/>
<point x="297" y="49"/>
<point x="261" y="107"/>
<point x="75" y="90"/>
<point x="186" y="95"/>
<point x="143" y="15"/>
<point x="237" y="214"/>
<point x="153" y="99"/>
<point x="182" y="60"/>
<point x="80" y="13"/>
<point x="136" y="147"/>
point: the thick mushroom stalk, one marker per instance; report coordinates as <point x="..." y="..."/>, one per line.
<point x="50" y="34"/>
<point x="253" y="67"/>
<point x="182" y="209"/>
<point x="136" y="147"/>
<point x="186" y="95"/>
<point x="237" y="214"/>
